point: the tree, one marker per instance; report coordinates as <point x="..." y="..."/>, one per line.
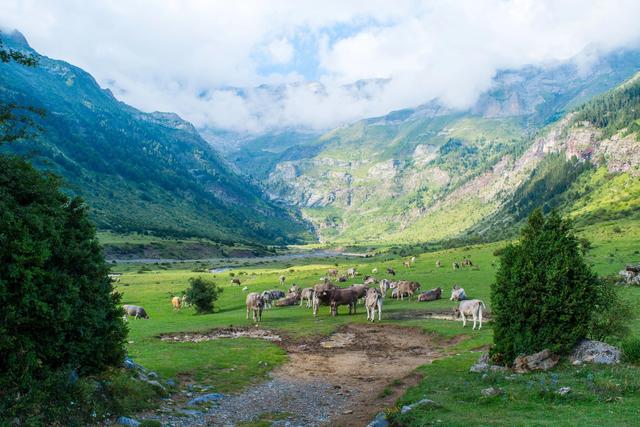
<point x="545" y="293"/>
<point x="60" y="318"/>
<point x="203" y="293"/>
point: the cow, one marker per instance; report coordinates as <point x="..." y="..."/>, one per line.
<point x="360" y="290"/>
<point x="342" y="279"/>
<point x="307" y="294"/>
<point x="406" y="287"/>
<point x="277" y="295"/>
<point x="255" y="303"/>
<point x="466" y="262"/>
<point x="184" y="301"/>
<point x="455" y="266"/>
<point x="457" y="294"/>
<point x="472" y="307"/>
<point x="342" y="296"/>
<point x="267" y="298"/>
<point x="374" y="271"/>
<point x="282" y="279"/>
<point x="430" y="295"/>
<point x="413" y="260"/>
<point x="372" y="301"/>
<point x="294" y="289"/>
<point x="407" y="264"/>
<point x="370" y="280"/>
<point x="175" y="302"/>
<point x="391" y="271"/>
<point x="321" y="295"/>
<point x="135" y="311"/>
<point x="332" y="272"/>
<point x="236" y="282"/>
<point x="438" y="264"/>
<point x="352" y="272"/>
<point x="385" y="285"/>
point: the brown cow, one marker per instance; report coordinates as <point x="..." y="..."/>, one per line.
<point x="360" y="290"/>
<point x="236" y="282"/>
<point x="321" y="295"/>
<point x="176" y="303"/>
<point x="307" y="294"/>
<point x="255" y="303"/>
<point x="406" y="287"/>
<point x="340" y="296"/>
<point x="333" y="272"/>
<point x="431" y="295"/>
<point x="407" y="264"/>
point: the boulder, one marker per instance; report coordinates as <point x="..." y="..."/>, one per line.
<point x="563" y="391"/>
<point x="482" y="365"/>
<point x="379" y="421"/>
<point x="541" y="361"/>
<point x="408" y="408"/>
<point x="205" y="398"/>
<point x="126" y="421"/>
<point x="492" y="391"/>
<point x="589" y="351"/>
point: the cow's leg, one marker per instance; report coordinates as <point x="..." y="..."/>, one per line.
<point x="475" y="318"/>
<point x="480" y="316"/>
<point x="379" y="310"/>
<point x="247" y="317"/>
<point x="464" y="320"/>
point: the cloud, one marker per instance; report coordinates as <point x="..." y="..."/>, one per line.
<point x="323" y="61"/>
<point x="281" y="51"/>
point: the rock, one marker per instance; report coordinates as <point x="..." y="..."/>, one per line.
<point x="482" y="364"/>
<point x="152" y="375"/>
<point x="563" y="391"/>
<point x="129" y="363"/>
<point x="205" y="398"/>
<point x="155" y="384"/>
<point x="408" y="408"/>
<point x="190" y="412"/>
<point x="171" y="382"/>
<point x="125" y="421"/>
<point x="541" y="361"/>
<point x="492" y="391"/>
<point x="379" y="421"/>
<point x="589" y="351"/>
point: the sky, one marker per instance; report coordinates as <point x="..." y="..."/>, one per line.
<point x="258" y="65"/>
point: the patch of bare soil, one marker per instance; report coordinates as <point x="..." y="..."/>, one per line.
<point x="361" y="361"/>
<point x="442" y="314"/>
<point x="221" y="333"/>
<point x="341" y="380"/>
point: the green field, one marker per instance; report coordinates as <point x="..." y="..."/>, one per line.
<point x="229" y="365"/>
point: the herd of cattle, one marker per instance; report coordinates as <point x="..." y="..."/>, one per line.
<point x="371" y="293"/>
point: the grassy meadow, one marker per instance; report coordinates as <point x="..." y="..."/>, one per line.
<point x="231" y="364"/>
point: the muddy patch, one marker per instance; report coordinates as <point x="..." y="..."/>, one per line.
<point x="344" y="379"/>
<point x="432" y="314"/>
<point x="221" y="333"/>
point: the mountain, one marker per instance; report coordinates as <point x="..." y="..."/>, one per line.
<point x="137" y="171"/>
<point x="432" y="173"/>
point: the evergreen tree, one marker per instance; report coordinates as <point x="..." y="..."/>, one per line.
<point x="545" y="294"/>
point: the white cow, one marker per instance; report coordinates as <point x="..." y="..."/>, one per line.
<point x="472" y="307"/>
<point x="385" y="285"/>
<point x="458" y="294"/>
<point x="373" y="300"/>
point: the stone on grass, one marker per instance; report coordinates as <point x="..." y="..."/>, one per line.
<point x="379" y="421"/>
<point x="541" y="361"/>
<point x="126" y="421"/>
<point x="563" y="391"/>
<point x="492" y="391"/>
<point x="589" y="351"/>
<point x="408" y="408"/>
<point x="205" y="398"/>
<point x="482" y="364"/>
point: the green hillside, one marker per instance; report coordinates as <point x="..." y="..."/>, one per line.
<point x="139" y="172"/>
<point x="430" y="173"/>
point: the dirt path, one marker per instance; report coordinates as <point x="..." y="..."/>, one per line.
<point x="343" y="380"/>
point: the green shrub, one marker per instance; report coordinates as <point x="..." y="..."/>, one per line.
<point x="202" y="294"/>
<point x="545" y="293"/>
<point x="631" y="350"/>
<point x="59" y="317"/>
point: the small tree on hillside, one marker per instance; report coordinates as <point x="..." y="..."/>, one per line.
<point x="545" y="294"/>
<point x="202" y="294"/>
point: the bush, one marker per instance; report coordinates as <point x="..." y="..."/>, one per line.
<point x="631" y="350"/>
<point x="611" y="313"/>
<point x="59" y="317"/>
<point x="202" y="294"/>
<point x="545" y="293"/>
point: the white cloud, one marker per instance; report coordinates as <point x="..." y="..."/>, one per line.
<point x="280" y="51"/>
<point x="184" y="56"/>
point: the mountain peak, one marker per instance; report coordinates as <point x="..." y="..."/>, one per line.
<point x="16" y="38"/>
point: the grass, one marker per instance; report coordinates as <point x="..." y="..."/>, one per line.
<point x="230" y="365"/>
